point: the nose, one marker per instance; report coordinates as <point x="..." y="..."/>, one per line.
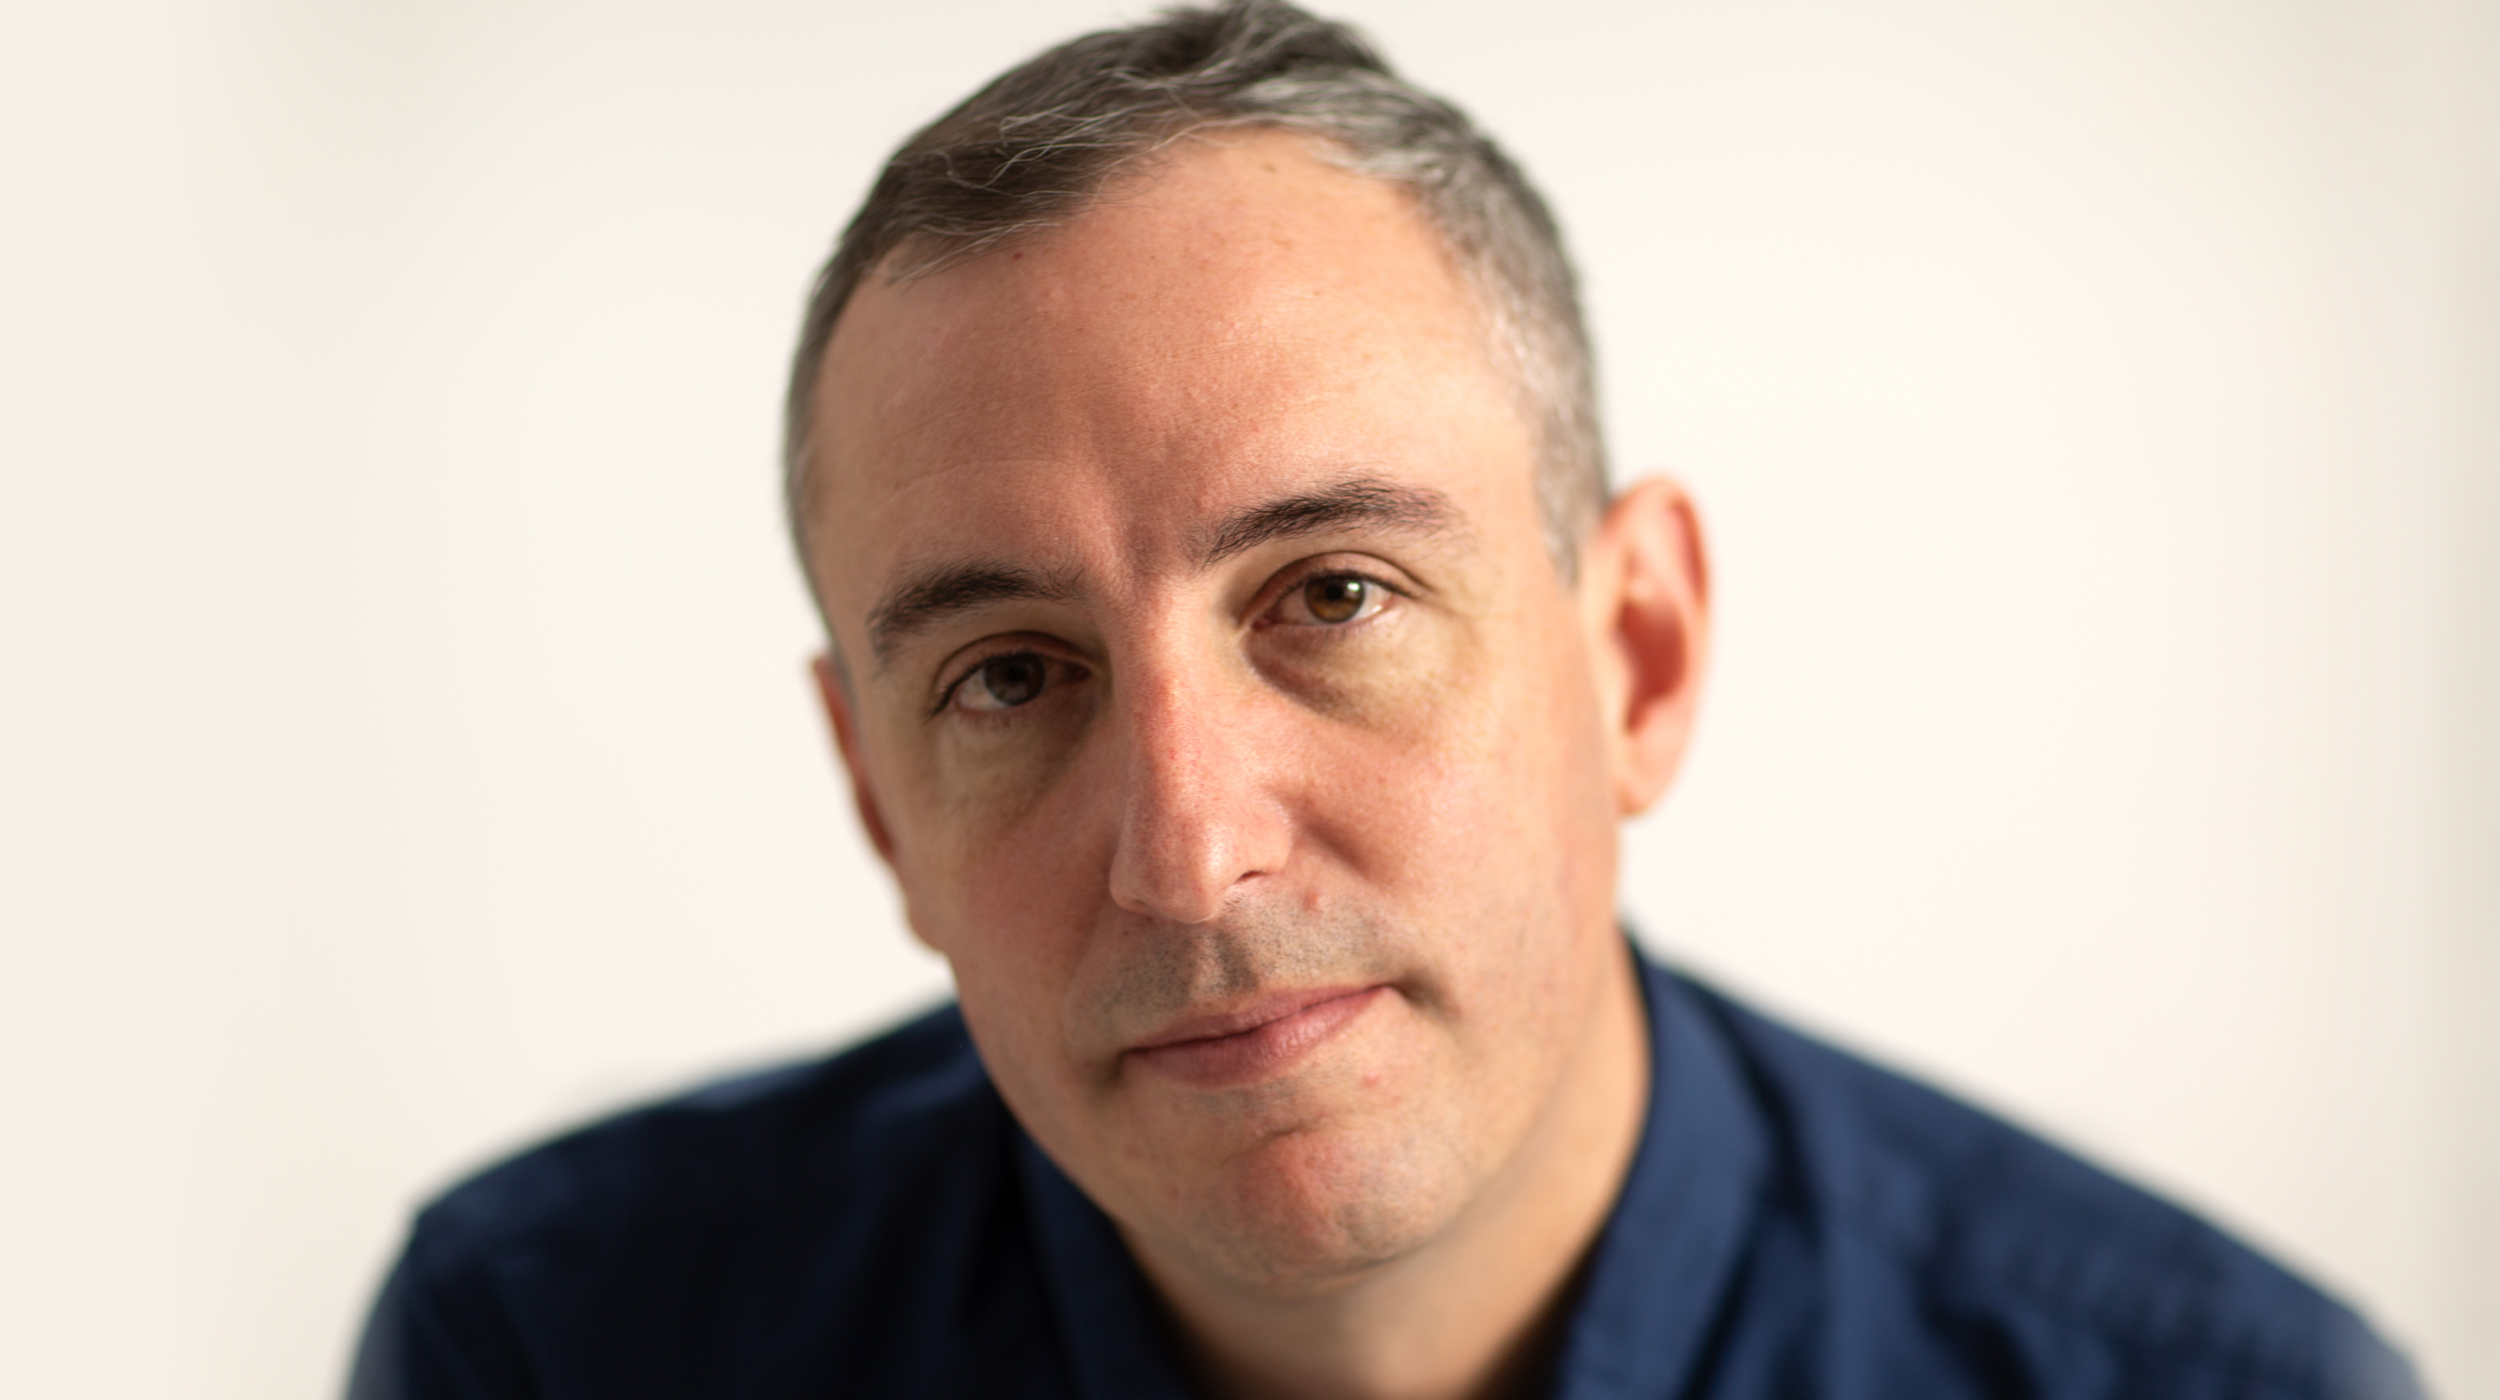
<point x="1198" y="815"/>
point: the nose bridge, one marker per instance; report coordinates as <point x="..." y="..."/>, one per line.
<point x="1195" y="820"/>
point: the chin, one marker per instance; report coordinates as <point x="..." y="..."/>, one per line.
<point x="1302" y="1213"/>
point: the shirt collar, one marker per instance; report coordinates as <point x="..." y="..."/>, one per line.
<point x="1654" y="1279"/>
<point x="1107" y="1318"/>
<point x="1669" y="1251"/>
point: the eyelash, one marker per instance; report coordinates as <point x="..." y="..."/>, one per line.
<point x="1297" y="582"/>
<point x="1317" y="573"/>
<point x="947" y="693"/>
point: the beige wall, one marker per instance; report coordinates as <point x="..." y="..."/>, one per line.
<point x="403" y="740"/>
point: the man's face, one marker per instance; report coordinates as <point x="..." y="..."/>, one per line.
<point x="1217" y="705"/>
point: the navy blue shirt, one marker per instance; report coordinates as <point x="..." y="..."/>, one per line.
<point x="1796" y="1223"/>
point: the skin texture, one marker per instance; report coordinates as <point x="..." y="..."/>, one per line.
<point x="1227" y="727"/>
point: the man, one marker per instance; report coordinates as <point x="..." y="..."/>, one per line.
<point x="1240" y="664"/>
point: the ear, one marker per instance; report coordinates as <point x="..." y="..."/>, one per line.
<point x="1645" y="597"/>
<point x="835" y="691"/>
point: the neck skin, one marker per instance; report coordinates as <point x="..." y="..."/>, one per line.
<point x="1474" y="1313"/>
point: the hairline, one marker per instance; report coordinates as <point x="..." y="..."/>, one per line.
<point x="1480" y="285"/>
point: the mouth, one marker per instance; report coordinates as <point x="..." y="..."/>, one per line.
<point x="1254" y="1042"/>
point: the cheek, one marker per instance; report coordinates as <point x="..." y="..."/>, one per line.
<point x="975" y="822"/>
<point x="985" y="779"/>
<point x="1459" y="765"/>
<point x="1011" y="917"/>
<point x="1483" y="819"/>
<point x="1007" y="904"/>
<point x="1010" y="901"/>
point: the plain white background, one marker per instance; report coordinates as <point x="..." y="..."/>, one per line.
<point x="404" y="741"/>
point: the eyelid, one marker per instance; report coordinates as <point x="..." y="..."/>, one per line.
<point x="962" y="664"/>
<point x="965" y="663"/>
<point x="1310" y="570"/>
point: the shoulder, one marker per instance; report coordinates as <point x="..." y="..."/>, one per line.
<point x="851" y="1216"/>
<point x="1999" y="1236"/>
<point x="872" y="1119"/>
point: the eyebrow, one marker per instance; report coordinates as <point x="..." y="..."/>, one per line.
<point x="1355" y="502"/>
<point x="935" y="594"/>
<point x="939" y="592"/>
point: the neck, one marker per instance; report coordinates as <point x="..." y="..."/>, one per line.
<point x="1473" y="1314"/>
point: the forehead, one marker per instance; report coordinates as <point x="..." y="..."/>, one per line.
<point x="1243" y="317"/>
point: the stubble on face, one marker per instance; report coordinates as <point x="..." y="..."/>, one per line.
<point x="1362" y="1154"/>
<point x="1307" y="1176"/>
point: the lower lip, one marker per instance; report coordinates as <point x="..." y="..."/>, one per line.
<point x="1262" y="1051"/>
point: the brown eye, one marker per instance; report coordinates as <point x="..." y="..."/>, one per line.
<point x="1004" y="682"/>
<point x="1338" y="598"/>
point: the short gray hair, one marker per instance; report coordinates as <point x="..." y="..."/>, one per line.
<point x="1038" y="144"/>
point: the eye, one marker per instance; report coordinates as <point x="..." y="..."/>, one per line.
<point x="1332" y="600"/>
<point x="1002" y="682"/>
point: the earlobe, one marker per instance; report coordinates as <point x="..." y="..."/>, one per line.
<point x="834" y="690"/>
<point x="1647" y="585"/>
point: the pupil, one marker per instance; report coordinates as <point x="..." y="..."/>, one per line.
<point x="1335" y="599"/>
<point x="1012" y="680"/>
